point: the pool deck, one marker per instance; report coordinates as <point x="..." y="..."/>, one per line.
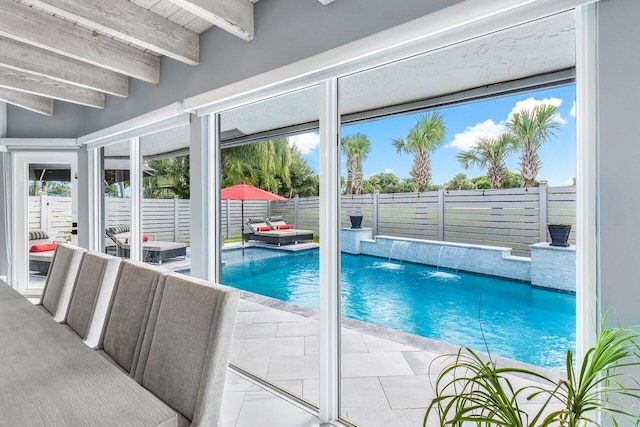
<point x="387" y="375"/>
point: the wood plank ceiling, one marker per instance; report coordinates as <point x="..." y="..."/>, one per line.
<point x="80" y="50"/>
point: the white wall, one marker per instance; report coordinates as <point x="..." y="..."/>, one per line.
<point x="619" y="153"/>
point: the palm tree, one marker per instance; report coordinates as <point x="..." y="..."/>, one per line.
<point x="263" y="164"/>
<point x="171" y="178"/>
<point x="489" y="153"/>
<point x="530" y="129"/>
<point x="425" y="137"/>
<point x="357" y="148"/>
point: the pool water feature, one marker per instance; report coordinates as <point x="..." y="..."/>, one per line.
<point x="519" y="322"/>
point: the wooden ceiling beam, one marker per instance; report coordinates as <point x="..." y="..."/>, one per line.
<point x="27" y="101"/>
<point x="45" y="87"/>
<point x="23" y="57"/>
<point x="129" y="22"/>
<point x="28" y="25"/>
<point x="234" y="16"/>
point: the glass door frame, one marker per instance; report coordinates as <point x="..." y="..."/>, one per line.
<point x="19" y="271"/>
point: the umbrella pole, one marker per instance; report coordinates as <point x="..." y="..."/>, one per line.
<point x="242" y="225"/>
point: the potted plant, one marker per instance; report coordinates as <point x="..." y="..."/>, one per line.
<point x="356" y="221"/>
<point x="559" y="234"/>
<point x="476" y="391"/>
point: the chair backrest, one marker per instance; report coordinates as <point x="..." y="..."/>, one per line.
<point x="58" y="286"/>
<point x="255" y="224"/>
<point x="118" y="234"/>
<point x="136" y="288"/>
<point x="276" y="221"/>
<point x="187" y="345"/>
<point x="91" y="296"/>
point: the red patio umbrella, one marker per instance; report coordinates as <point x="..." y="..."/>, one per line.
<point x="244" y="192"/>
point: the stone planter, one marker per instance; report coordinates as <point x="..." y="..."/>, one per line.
<point x="356" y="221"/>
<point x="559" y="234"/>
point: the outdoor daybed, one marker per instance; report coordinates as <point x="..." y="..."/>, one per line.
<point x="41" y="250"/>
<point x="153" y="251"/>
<point x="263" y="232"/>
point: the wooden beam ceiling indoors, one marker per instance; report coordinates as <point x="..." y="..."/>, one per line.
<point x="80" y="50"/>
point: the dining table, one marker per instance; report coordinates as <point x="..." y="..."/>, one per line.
<point x="49" y="377"/>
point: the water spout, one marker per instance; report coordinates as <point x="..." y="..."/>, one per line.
<point x="452" y="257"/>
<point x="402" y="247"/>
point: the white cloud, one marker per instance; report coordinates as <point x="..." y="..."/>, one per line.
<point x="387" y="170"/>
<point x="467" y="139"/>
<point x="532" y="102"/>
<point x="572" y="113"/>
<point x="306" y="142"/>
<point x="568" y="181"/>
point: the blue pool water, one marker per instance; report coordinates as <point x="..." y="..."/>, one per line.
<point x="519" y="322"/>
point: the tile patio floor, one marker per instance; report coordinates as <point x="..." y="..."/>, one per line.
<point x="386" y="379"/>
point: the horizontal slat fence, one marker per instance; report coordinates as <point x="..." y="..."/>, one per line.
<point x="51" y="215"/>
<point x="507" y="217"/>
<point x="409" y="215"/>
<point x="561" y="208"/>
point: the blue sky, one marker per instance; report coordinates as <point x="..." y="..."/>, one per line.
<point x="464" y="124"/>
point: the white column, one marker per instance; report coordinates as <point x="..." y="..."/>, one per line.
<point x="95" y="201"/>
<point x="329" y="252"/>
<point x="135" y="179"/>
<point x="586" y="176"/>
<point x="3" y="120"/>
<point x="215" y="239"/>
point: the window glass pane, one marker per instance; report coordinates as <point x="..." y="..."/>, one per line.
<point x="269" y="221"/>
<point x="444" y="211"/>
<point x="117" y="198"/>
<point x="166" y="214"/>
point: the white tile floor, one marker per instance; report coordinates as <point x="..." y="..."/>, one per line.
<point x="244" y="404"/>
<point x="387" y="376"/>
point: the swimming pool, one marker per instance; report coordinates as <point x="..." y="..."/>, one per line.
<point x="519" y="322"/>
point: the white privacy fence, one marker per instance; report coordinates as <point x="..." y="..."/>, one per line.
<point x="515" y="217"/>
<point x="50" y="214"/>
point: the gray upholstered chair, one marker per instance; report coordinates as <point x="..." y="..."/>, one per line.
<point x="186" y="348"/>
<point x="58" y="286"/>
<point x="137" y="288"/>
<point x="91" y="296"/>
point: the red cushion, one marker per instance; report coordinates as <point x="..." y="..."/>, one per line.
<point x="284" y="227"/>
<point x="264" y="228"/>
<point x="43" y="248"/>
<point x="144" y="238"/>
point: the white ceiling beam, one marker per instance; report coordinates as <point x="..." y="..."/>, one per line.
<point x="22" y="57"/>
<point x="27" y="101"/>
<point x="129" y="22"/>
<point x="234" y="16"/>
<point x="43" y="86"/>
<point x="28" y="25"/>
